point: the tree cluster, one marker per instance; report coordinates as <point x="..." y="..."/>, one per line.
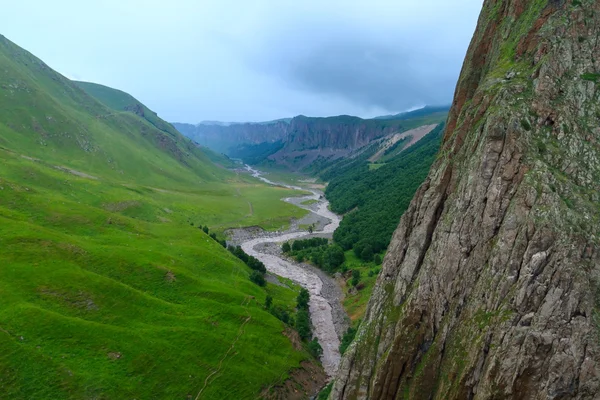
<point x="258" y="268"/>
<point x="318" y="251"/>
<point x="374" y="200"/>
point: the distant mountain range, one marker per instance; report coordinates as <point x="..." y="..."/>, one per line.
<point x="299" y="142"/>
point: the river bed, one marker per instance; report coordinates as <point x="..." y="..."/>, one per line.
<point x="327" y="315"/>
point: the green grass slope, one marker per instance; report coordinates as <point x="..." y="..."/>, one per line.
<point x="107" y="290"/>
<point x="120" y="101"/>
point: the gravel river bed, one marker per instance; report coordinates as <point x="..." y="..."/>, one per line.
<point x="328" y="317"/>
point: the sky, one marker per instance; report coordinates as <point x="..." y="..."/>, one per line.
<point x="254" y="60"/>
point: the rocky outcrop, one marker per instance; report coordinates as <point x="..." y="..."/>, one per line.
<point x="490" y="288"/>
<point x="310" y="139"/>
<point x="303" y="139"/>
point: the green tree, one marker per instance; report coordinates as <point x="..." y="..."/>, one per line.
<point x="334" y="257"/>
<point x="258" y="278"/>
<point x="355" y="277"/>
<point x="377" y="259"/>
<point x="303" y="299"/>
<point x="303" y="324"/>
<point x="347" y="339"/>
<point x="286" y="248"/>
<point x="367" y="253"/>
<point x="268" y="301"/>
<point x="205" y="229"/>
<point x="315" y="348"/>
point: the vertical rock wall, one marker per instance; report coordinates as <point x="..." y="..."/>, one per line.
<point x="490" y="288"/>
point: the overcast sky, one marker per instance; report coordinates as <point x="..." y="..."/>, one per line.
<point x="254" y="60"/>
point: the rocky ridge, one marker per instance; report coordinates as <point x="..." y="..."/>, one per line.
<point x="490" y="288"/>
<point x="302" y="139"/>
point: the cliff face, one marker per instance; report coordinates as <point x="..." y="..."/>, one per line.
<point x="490" y="288"/>
<point x="304" y="139"/>
<point x="339" y="133"/>
<point x="311" y="138"/>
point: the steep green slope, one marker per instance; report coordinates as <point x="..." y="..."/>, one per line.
<point x="118" y="100"/>
<point x="107" y="288"/>
<point x="374" y="199"/>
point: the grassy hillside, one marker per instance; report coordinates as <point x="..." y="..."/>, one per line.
<point x="120" y="101"/>
<point x="107" y="288"/>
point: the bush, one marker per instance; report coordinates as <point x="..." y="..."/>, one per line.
<point x="334" y="257"/>
<point x="303" y="324"/>
<point x="377" y="259"/>
<point x="281" y="314"/>
<point x="256" y="264"/>
<point x="355" y="277"/>
<point x="347" y="339"/>
<point x="286" y="248"/>
<point x="239" y="253"/>
<point x="367" y="253"/>
<point x="315" y="348"/>
<point x="303" y="299"/>
<point x="268" y="301"/>
<point x="258" y="278"/>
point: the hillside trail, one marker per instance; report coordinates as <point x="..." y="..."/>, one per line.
<point x="231" y="347"/>
<point x="320" y="307"/>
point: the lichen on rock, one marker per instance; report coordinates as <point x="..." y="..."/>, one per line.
<point x="491" y="285"/>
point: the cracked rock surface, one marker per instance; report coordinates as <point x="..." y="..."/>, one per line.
<point x="490" y="288"/>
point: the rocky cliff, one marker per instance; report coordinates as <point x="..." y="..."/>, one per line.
<point x="309" y="139"/>
<point x="490" y="288"/>
<point x="303" y="139"/>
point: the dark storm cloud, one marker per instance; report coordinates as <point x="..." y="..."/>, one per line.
<point x="258" y="59"/>
<point x="368" y="74"/>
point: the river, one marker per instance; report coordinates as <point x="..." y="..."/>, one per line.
<point x="322" y="307"/>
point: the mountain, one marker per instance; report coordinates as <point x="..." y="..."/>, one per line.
<point x="108" y="289"/>
<point x="373" y="199"/>
<point x="308" y="139"/>
<point x="303" y="143"/>
<point x="490" y="287"/>
<point x="118" y="100"/>
<point x="221" y="138"/>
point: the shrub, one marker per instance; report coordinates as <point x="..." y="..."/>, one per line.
<point x="347" y="339"/>
<point x="258" y="278"/>
<point x="377" y="259"/>
<point x="281" y="314"/>
<point x="355" y="277"/>
<point x="303" y="299"/>
<point x="303" y="324"/>
<point x="315" y="348"/>
<point x="268" y="301"/>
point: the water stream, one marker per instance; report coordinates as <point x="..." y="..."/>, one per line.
<point x="320" y="308"/>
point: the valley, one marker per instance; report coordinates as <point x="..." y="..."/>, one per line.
<point x="114" y="276"/>
<point x="442" y="252"/>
